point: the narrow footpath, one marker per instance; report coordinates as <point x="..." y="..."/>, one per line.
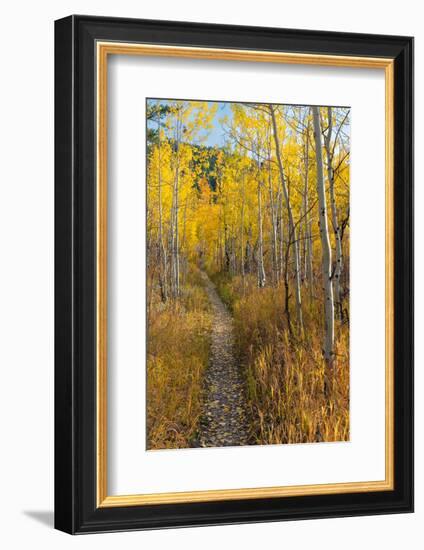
<point x="224" y="419"/>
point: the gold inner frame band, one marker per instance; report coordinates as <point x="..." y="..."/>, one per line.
<point x="103" y="50"/>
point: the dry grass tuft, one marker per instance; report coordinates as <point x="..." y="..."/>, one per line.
<point x="285" y="376"/>
<point x="178" y="350"/>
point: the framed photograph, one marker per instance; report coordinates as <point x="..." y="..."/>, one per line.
<point x="234" y="274"/>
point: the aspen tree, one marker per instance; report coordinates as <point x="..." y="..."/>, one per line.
<point x="274" y="214"/>
<point x="292" y="229"/>
<point x="162" y="250"/>
<point x="261" y="269"/>
<point x="176" y="205"/>
<point x="243" y="198"/>
<point x="325" y="244"/>
<point x="308" y="222"/>
<point x="334" y="215"/>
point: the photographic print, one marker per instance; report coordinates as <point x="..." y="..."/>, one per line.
<point x="247" y="290"/>
<point x="215" y="307"/>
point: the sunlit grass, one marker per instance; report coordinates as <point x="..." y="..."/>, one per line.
<point x="178" y="351"/>
<point x="285" y="375"/>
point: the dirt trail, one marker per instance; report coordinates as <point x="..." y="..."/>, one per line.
<point x="224" y="419"/>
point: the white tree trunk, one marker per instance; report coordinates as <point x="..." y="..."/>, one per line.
<point x="175" y="238"/>
<point x="292" y="233"/>
<point x="273" y="206"/>
<point x="281" y="232"/>
<point x="261" y="269"/>
<point x="175" y="213"/>
<point x="308" y="224"/>
<point x="242" y="270"/>
<point x="326" y="247"/>
<point x="162" y="250"/>
<point x="310" y="262"/>
<point x="273" y="230"/>
<point x="334" y="217"/>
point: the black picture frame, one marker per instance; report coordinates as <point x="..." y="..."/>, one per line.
<point x="75" y="275"/>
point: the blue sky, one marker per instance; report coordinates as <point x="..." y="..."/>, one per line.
<point x="214" y="136"/>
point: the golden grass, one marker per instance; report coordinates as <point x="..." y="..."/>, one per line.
<point x="178" y="351"/>
<point x="284" y="376"/>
